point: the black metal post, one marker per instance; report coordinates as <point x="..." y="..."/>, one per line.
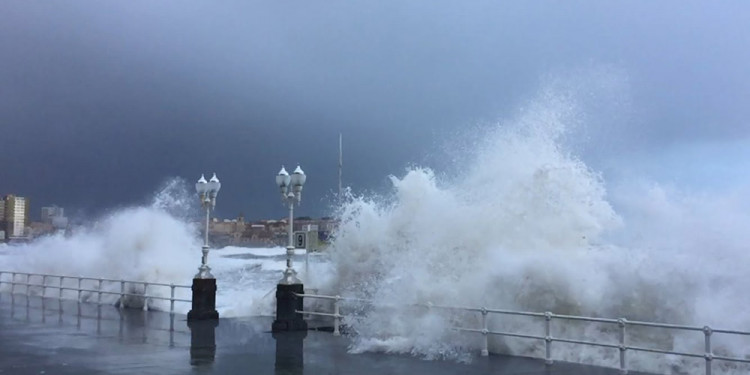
<point x="204" y="300"/>
<point x="287" y="305"/>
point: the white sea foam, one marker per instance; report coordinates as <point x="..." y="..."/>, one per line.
<point x="154" y="243"/>
<point x="528" y="226"/>
<point x="136" y="244"/>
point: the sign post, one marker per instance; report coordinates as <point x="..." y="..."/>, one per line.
<point x="300" y="240"/>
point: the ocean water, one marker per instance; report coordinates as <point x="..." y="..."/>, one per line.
<point x="520" y="223"/>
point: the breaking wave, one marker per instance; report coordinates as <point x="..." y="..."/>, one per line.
<point x="526" y="225"/>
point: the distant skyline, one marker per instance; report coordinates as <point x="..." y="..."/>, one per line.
<point x="101" y="103"/>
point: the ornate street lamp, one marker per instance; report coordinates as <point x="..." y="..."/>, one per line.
<point x="291" y="193"/>
<point x="207" y="192"/>
<point x="287" y="299"/>
<point x="204" y="283"/>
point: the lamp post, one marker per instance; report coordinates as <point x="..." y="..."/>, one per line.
<point x="291" y="193"/>
<point x="204" y="283"/>
<point x="288" y="288"/>
<point x="207" y="192"/>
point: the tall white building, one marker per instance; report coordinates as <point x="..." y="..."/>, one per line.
<point x="16" y="215"/>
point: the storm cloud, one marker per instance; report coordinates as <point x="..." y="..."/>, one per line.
<point x="101" y="101"/>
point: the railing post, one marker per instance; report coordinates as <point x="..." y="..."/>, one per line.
<point x="44" y="307"/>
<point x="709" y="356"/>
<point x="99" y="298"/>
<point x="145" y="298"/>
<point x="171" y="298"/>
<point x="13" y="283"/>
<point x="623" y="344"/>
<point x="485" y="333"/>
<point x="44" y="285"/>
<point x="27" y="286"/>
<point x="307" y="263"/>
<point x="60" y="291"/>
<point x="122" y="294"/>
<point x="337" y="319"/>
<point x="171" y="330"/>
<point x="548" y="338"/>
<point x="79" y="289"/>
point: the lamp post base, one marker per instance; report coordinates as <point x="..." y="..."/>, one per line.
<point x="287" y="305"/>
<point x="204" y="300"/>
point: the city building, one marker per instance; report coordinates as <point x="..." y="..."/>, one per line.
<point x="54" y="217"/>
<point x="16" y="216"/>
<point x="262" y="233"/>
<point x="49" y="213"/>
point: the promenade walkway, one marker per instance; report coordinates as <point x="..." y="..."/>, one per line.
<point x="54" y="337"/>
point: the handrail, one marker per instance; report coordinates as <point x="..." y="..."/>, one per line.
<point x="104" y="292"/>
<point x="44" y="285"/>
<point x="93" y="278"/>
<point x="621" y="345"/>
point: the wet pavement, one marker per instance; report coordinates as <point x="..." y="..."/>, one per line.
<point x="63" y="337"/>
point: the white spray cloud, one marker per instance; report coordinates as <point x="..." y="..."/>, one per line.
<point x="529" y="226"/>
<point x="136" y="244"/>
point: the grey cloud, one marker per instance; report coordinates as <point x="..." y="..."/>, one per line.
<point x="127" y="93"/>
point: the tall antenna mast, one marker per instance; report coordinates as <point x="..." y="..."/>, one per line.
<point x="341" y="163"/>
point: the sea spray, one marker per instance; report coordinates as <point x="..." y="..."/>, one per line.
<point x="445" y="242"/>
<point x="158" y="242"/>
<point x="145" y="244"/>
<point x="527" y="225"/>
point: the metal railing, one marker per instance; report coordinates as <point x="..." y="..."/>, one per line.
<point x="336" y="310"/>
<point x="42" y="282"/>
<point x="620" y="344"/>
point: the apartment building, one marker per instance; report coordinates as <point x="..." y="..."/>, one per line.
<point x="16" y="214"/>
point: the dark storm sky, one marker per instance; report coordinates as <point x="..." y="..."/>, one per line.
<point x="102" y="101"/>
